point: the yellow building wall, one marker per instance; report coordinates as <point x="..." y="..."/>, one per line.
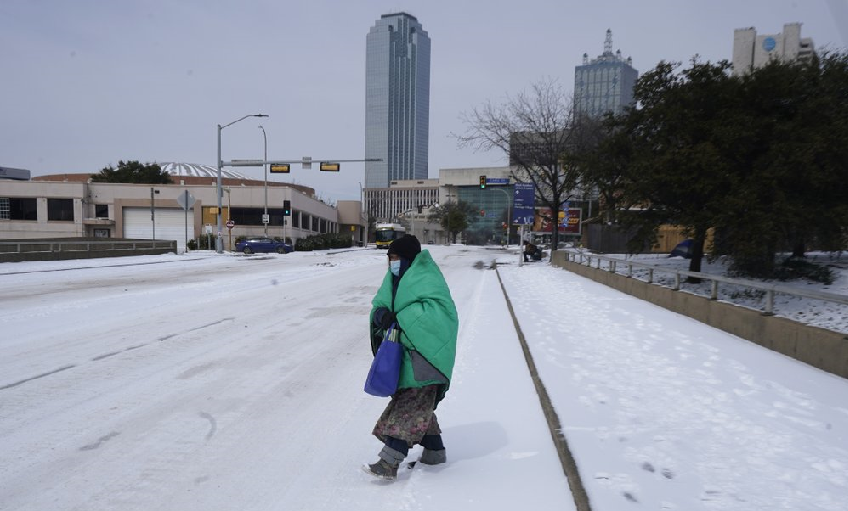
<point x="669" y="236"/>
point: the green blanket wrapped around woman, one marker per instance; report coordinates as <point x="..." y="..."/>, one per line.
<point x="426" y="315"/>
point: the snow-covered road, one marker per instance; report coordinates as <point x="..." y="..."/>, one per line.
<point x="236" y="383"/>
<point x="229" y="382"/>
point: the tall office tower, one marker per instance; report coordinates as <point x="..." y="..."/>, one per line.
<point x="751" y="51"/>
<point x="605" y="84"/>
<point x="397" y="100"/>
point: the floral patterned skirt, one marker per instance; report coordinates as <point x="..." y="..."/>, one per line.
<point x="409" y="415"/>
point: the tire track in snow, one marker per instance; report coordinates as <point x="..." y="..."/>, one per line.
<point x="115" y="353"/>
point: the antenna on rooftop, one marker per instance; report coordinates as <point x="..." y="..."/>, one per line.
<point x="608" y="43"/>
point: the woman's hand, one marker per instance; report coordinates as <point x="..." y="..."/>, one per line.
<point x="383" y="318"/>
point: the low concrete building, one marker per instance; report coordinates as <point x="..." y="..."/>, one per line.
<point x="353" y="221"/>
<point x="386" y="204"/>
<point x="71" y="205"/>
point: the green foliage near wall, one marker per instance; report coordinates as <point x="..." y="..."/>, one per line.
<point x="759" y="158"/>
<point x="323" y="242"/>
<point x="133" y="172"/>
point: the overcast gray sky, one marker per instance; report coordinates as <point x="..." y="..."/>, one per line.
<point x="88" y="82"/>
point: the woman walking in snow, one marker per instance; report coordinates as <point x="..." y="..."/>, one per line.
<point x="415" y="296"/>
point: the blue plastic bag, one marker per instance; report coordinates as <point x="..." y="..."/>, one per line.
<point x="383" y="376"/>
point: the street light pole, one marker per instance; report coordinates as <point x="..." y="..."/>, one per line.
<point x="265" y="168"/>
<point x="153" y="214"/>
<point x="219" y="243"/>
<point x="508" y="213"/>
<point x="229" y="212"/>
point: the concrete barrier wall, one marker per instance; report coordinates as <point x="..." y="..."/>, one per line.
<point x="60" y="250"/>
<point x="818" y="347"/>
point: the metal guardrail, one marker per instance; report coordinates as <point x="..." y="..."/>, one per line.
<point x="37" y="246"/>
<point x="769" y="289"/>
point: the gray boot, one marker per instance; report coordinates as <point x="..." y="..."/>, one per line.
<point x="429" y="457"/>
<point x="387" y="466"/>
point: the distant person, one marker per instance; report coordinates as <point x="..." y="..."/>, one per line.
<point x="415" y="296"/>
<point x="531" y="252"/>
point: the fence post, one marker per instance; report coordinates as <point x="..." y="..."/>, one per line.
<point x="714" y="290"/>
<point x="769" y="303"/>
<point x="677" y="281"/>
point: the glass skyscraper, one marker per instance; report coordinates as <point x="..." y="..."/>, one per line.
<point x="397" y="100"/>
<point x="605" y="84"/>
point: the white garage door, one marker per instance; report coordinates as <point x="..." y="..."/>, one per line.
<point x="170" y="225"/>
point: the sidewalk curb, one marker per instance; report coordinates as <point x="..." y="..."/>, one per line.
<point x="569" y="466"/>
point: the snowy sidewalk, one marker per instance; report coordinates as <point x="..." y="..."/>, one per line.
<point x="500" y="451"/>
<point x="661" y="410"/>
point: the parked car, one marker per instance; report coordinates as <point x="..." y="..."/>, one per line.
<point x="251" y="245"/>
<point x="683" y="249"/>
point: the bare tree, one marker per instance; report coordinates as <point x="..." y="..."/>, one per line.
<point x="537" y="130"/>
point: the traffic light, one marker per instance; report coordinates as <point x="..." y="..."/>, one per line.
<point x="281" y="167"/>
<point x="286" y="208"/>
<point x="482" y="181"/>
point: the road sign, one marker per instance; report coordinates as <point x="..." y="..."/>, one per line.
<point x="230" y="224"/>
<point x="327" y="166"/>
<point x="523" y="204"/>
<point x="186" y="200"/>
<point x="307" y="163"/>
<point x="246" y="163"/>
<point x="266" y="218"/>
<point x="281" y="167"/>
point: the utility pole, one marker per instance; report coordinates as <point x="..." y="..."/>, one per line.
<point x="265" y="218"/>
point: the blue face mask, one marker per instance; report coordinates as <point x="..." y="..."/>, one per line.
<point x="394" y="267"/>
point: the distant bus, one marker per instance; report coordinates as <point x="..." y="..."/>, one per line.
<point x="386" y="233"/>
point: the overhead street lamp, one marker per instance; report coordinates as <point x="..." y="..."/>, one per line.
<point x="219" y="243"/>
<point x="265" y="168"/>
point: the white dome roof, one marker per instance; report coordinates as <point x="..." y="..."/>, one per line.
<point x="195" y="170"/>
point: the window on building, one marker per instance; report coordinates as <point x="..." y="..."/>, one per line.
<point x="101" y="210"/>
<point x="12" y="208"/>
<point x="60" y="210"/>
<point x="295" y="218"/>
<point x="315" y="222"/>
<point x="253" y="216"/>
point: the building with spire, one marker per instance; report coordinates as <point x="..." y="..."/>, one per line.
<point x="604" y="84"/>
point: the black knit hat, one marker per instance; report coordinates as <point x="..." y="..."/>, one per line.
<point x="406" y="247"/>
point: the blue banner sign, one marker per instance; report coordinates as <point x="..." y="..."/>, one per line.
<point x="523" y="204"/>
<point x="497" y="180"/>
